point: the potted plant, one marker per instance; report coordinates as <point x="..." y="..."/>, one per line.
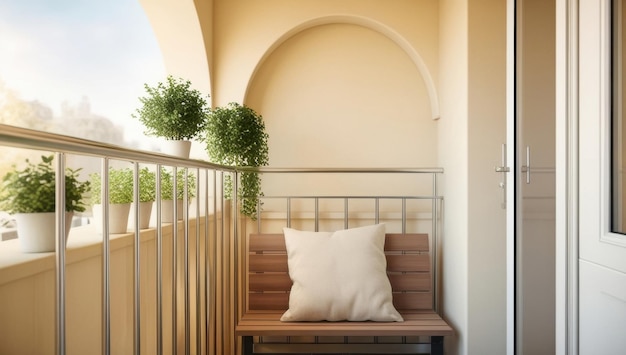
<point x="147" y="196"/>
<point x="235" y="136"/>
<point x="120" y="198"/>
<point x="174" y="111"/>
<point x="30" y="195"/>
<point x="167" y="193"/>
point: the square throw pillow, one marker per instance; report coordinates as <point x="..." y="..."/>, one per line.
<point x="339" y="276"/>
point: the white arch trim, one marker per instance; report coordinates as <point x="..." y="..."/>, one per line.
<point x="371" y="24"/>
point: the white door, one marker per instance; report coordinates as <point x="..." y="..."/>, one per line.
<point x="601" y="252"/>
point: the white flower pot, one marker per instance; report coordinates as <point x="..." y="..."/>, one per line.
<point x="167" y="211"/>
<point x="36" y="231"/>
<point x="176" y="148"/>
<point x="145" y="209"/>
<point x="118" y="217"/>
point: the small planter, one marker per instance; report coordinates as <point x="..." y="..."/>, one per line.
<point x="118" y="217"/>
<point x="145" y="210"/>
<point x="177" y="148"/>
<point x="167" y="210"/>
<point x="36" y="231"/>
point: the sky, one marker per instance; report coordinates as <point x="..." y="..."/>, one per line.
<point x="64" y="50"/>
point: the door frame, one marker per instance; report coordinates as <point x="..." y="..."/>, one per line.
<point x="567" y="30"/>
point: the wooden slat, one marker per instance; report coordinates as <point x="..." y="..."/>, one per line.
<point x="408" y="263"/>
<point x="280" y="301"/>
<point x="406" y="242"/>
<point x="269" y="282"/>
<point x="268" y="301"/>
<point x="413" y="301"/>
<point x="395" y="263"/>
<point x="415" y="324"/>
<point x="410" y="282"/>
<point x="268" y="263"/>
<point x="259" y="282"/>
<point x="393" y="242"/>
<point x="266" y="242"/>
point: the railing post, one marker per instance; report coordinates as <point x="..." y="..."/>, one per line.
<point x="137" y="265"/>
<point x="60" y="253"/>
<point x="106" y="256"/>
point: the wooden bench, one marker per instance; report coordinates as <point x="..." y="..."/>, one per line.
<point x="268" y="286"/>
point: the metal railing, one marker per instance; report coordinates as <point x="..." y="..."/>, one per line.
<point x="217" y="284"/>
<point x="206" y="320"/>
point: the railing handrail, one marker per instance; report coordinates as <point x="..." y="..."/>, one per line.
<point x="357" y="170"/>
<point x="34" y="139"/>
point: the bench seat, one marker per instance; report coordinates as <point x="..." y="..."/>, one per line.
<point x="267" y="289"/>
<point x="427" y="323"/>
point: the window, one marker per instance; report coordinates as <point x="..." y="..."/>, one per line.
<point x="618" y="125"/>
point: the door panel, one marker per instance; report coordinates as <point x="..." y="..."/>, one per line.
<point x="535" y="150"/>
<point x="602" y="255"/>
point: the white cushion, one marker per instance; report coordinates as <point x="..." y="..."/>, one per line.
<point x="339" y="276"/>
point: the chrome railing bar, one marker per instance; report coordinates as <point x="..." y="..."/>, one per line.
<point x="60" y="253"/>
<point x="207" y="264"/>
<point x="329" y="197"/>
<point x="159" y="271"/>
<point x="317" y="214"/>
<point x="404" y="216"/>
<point x="186" y="261"/>
<point x="377" y="210"/>
<point x="346" y="212"/>
<point x="39" y="140"/>
<point x="322" y="170"/>
<point x="106" y="259"/>
<point x="434" y="250"/>
<point x="288" y="212"/>
<point x="137" y="268"/>
<point x="235" y="304"/>
<point x="175" y="260"/>
<point x="197" y="265"/>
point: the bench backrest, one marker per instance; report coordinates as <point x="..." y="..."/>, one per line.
<point x="408" y="268"/>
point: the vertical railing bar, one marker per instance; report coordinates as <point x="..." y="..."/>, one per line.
<point x="212" y="307"/>
<point x="159" y="257"/>
<point x="106" y="256"/>
<point x="403" y="215"/>
<point x="186" y="280"/>
<point x="317" y="214"/>
<point x="235" y="253"/>
<point x="288" y="212"/>
<point x="219" y="328"/>
<point x="175" y="261"/>
<point x="345" y="213"/>
<point x="376" y="210"/>
<point x="434" y="251"/>
<point x="258" y="214"/>
<point x="60" y="253"/>
<point x="137" y="266"/>
<point x="197" y="264"/>
<point x="206" y="288"/>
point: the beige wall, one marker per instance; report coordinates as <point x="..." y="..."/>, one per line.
<point x="472" y="128"/>
<point x="453" y="157"/>
<point x="27" y="294"/>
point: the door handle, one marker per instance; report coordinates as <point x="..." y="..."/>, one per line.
<point x="503" y="168"/>
<point x="526" y="168"/>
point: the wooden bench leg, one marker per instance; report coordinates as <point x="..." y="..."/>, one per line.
<point x="436" y="345"/>
<point x="247" y="345"/>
